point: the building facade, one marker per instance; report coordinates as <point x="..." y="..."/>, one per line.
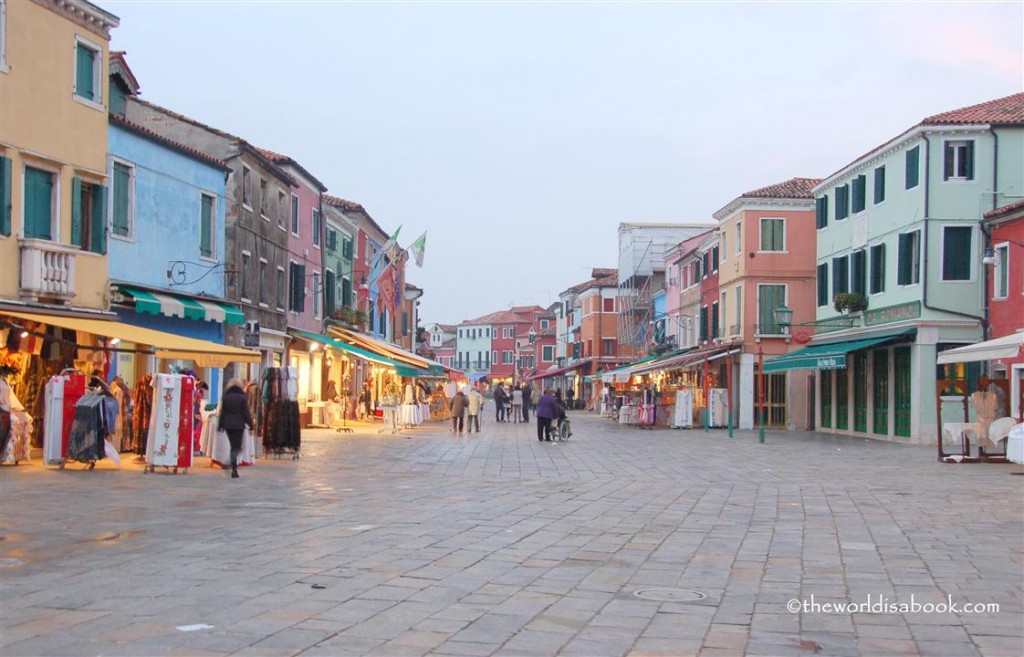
<point x="1005" y="227"/>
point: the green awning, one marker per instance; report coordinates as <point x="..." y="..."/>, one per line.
<point x="825" y="356"/>
<point x="185" y="307"/>
<point x="355" y="351"/>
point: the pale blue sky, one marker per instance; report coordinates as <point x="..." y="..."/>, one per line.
<point x="520" y="134"/>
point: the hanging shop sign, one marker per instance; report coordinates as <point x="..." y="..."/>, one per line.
<point x="252" y="334"/>
<point x="890" y="314"/>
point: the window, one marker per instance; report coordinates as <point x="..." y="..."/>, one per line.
<point x="769" y="297"/>
<point x="738" y="328"/>
<point x="264" y="201"/>
<point x="88" y="69"/>
<point x="547" y="353"/>
<point x="909" y="272"/>
<point x="247" y="187"/>
<point x="282" y="209"/>
<point x="543" y="324"/>
<point x="206" y="226"/>
<point x="280" y="288"/>
<point x="88" y="216"/>
<point x="879" y="185"/>
<point x="877" y="269"/>
<point x="859" y="187"/>
<point x="821" y="212"/>
<point x="842" y="202"/>
<point x="295" y="214"/>
<point x="297" y="287"/>
<point x="1001" y="274"/>
<point x="332" y="240"/>
<point x="6" y="172"/>
<point x="609" y="305"/>
<point x="724" y="250"/>
<point x="958" y="161"/>
<point x="264" y="284"/>
<point x="956" y="253"/>
<point x="773" y="234"/>
<point x="715" y="320"/>
<point x="346" y="248"/>
<point x="123" y="211"/>
<point x="714" y="259"/>
<point x="840" y="275"/>
<point x="317" y="295"/>
<point x="739" y="237"/>
<point x="346" y="292"/>
<point x="822" y="284"/>
<point x="913" y="164"/>
<point x="316" y="228"/>
<point x="509" y="357"/>
<point x="246" y="272"/>
<point x="706" y="263"/>
<point x="858" y="272"/>
<point x="38" y="204"/>
<point x="3" y="44"/>
<point x="703" y="323"/>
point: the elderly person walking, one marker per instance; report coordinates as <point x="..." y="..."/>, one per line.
<point x="458" y="406"/>
<point x="234" y="418"/>
<point x="548" y="409"/>
<point x="476" y="404"/>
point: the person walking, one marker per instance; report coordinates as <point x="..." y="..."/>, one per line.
<point x="527" y="400"/>
<point x="476" y="404"/>
<point x="234" y="418"/>
<point x="517" y="405"/>
<point x="458" y="406"/>
<point x="570" y="397"/>
<point x="547" y="410"/>
<point x="500" y="399"/>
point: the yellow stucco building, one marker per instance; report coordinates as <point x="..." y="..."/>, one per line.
<point x="53" y="153"/>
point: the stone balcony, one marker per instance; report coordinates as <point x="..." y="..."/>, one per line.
<point x="47" y="271"/>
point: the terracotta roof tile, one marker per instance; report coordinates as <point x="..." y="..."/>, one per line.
<point x="157" y="137"/>
<point x="341" y="203"/>
<point x="1007" y="110"/>
<point x="1005" y="210"/>
<point x="792" y="188"/>
<point x="282" y="160"/>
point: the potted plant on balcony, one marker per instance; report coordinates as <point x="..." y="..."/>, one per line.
<point x="850" y="302"/>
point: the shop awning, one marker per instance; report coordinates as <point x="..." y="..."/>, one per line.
<point x="165" y="345"/>
<point x="825" y="356"/>
<point x="558" y="370"/>
<point x="381" y="347"/>
<point x="186" y="307"/>
<point x="622" y="374"/>
<point x="1009" y="346"/>
<point x="347" y="348"/>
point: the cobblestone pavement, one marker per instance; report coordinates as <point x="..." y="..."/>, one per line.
<point x="494" y="543"/>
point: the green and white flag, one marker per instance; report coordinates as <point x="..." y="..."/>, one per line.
<point x="418" y="247"/>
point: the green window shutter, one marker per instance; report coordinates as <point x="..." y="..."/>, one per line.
<point x="858" y="266"/>
<point x="956" y="253"/>
<point x="821" y="212"/>
<point x="329" y="283"/>
<point x="38" y="203"/>
<point x="5" y="195"/>
<point x="714" y="322"/>
<point x="206" y="226"/>
<point x="948" y="157"/>
<point x="346" y="293"/>
<point x="714" y="259"/>
<point x="879" y="185"/>
<point x="903" y="276"/>
<point x="842" y="202"/>
<point x="76" y="211"/>
<point x="295" y="214"/>
<point x="840" y="275"/>
<point x="84" y="73"/>
<point x="703" y="324"/>
<point x="878" y="269"/>
<point x="121" y="192"/>
<point x="969" y="161"/>
<point x="300" y="286"/>
<point x="912" y="166"/>
<point x="405" y="323"/>
<point x="98" y="227"/>
<point x="859" y="184"/>
<point x="823" y="284"/>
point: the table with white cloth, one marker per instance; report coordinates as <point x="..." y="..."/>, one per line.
<point x="216" y="444"/>
<point x="1015" y="444"/>
<point x="410" y="415"/>
<point x="627" y="414"/>
<point x="424" y="411"/>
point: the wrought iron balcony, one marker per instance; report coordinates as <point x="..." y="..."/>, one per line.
<point x="47" y="270"/>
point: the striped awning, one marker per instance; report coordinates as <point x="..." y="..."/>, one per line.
<point x="186" y="307"/>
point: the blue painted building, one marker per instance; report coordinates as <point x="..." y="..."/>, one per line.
<point x="167" y="206"/>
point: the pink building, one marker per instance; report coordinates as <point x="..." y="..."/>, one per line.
<point x="1006" y="292"/>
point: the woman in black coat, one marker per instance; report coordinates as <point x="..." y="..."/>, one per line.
<point x="234" y="418"/>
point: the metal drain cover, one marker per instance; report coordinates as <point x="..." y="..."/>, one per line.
<point x="670" y="595"/>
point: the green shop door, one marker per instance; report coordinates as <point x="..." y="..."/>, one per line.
<point x="826" y="398"/>
<point x="860" y="391"/>
<point x="901" y="382"/>
<point x="880" y="391"/>
<point x="842" y="399"/>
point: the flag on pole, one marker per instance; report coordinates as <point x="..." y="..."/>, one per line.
<point x="386" y="249"/>
<point x="418" y="247"/>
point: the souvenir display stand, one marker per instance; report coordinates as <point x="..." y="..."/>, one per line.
<point x="281" y="431"/>
<point x="169" y="443"/>
<point x="15" y="426"/>
<point x="682" y="414"/>
<point x="216" y="443"/>
<point x="61" y="394"/>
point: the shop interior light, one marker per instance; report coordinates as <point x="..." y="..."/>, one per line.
<point x="115" y="341"/>
<point x="314" y="346"/>
<point x="24" y="334"/>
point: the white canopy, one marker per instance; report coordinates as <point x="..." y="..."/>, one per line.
<point x="1008" y="346"/>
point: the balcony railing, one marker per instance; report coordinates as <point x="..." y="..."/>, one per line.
<point x="47" y="270"/>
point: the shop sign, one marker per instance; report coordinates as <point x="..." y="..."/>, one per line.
<point x="211" y="360"/>
<point x="831" y="362"/>
<point x="252" y="334"/>
<point x="890" y="314"/>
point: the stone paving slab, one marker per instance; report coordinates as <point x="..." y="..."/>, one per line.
<point x="495" y="544"/>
